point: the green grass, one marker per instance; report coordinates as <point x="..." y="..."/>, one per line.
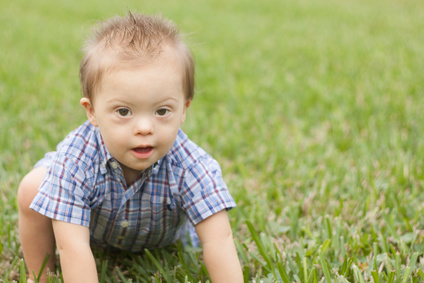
<point x="312" y="107"/>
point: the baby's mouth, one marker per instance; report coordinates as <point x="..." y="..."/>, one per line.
<point x="143" y="149"/>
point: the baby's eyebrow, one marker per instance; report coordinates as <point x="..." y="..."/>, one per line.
<point x="170" y="98"/>
<point x="118" y="100"/>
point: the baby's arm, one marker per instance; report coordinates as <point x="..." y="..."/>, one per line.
<point x="76" y="258"/>
<point x="219" y="250"/>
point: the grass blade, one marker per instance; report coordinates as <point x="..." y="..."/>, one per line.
<point x="22" y="272"/>
<point x="283" y="272"/>
<point x="324" y="267"/>
<point x="260" y="246"/>
<point x="158" y="265"/>
<point x="406" y="274"/>
<point x="358" y="274"/>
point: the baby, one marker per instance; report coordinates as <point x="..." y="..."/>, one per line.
<point x="128" y="178"/>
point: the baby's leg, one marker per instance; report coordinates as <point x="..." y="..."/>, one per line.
<point x="36" y="232"/>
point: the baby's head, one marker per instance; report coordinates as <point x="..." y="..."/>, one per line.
<point x="137" y="78"/>
<point x="133" y="41"/>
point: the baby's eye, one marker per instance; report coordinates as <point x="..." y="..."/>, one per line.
<point x="162" y="112"/>
<point x="124" y="112"/>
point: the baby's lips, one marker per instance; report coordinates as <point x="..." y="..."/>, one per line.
<point x="143" y="149"/>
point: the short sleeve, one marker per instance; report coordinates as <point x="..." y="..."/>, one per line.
<point x="204" y="192"/>
<point x="63" y="192"/>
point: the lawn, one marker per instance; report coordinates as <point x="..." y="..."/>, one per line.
<point x="312" y="107"/>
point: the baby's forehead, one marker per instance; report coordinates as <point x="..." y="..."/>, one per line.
<point x="166" y="56"/>
<point x="164" y="74"/>
<point x="156" y="65"/>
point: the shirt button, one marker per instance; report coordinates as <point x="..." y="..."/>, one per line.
<point x="125" y="224"/>
<point x="114" y="165"/>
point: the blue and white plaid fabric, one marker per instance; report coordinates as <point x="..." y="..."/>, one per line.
<point x="85" y="186"/>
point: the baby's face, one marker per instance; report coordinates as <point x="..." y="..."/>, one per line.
<point x="139" y="112"/>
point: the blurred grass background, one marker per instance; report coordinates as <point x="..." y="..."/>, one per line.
<point x="313" y="108"/>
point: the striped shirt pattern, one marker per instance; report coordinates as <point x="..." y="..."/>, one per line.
<point x="85" y="185"/>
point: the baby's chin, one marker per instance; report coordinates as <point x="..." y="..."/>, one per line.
<point x="141" y="167"/>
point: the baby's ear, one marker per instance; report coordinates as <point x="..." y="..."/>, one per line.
<point x="186" y="105"/>
<point x="89" y="109"/>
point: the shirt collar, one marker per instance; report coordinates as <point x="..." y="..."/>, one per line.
<point x="105" y="155"/>
<point x="156" y="166"/>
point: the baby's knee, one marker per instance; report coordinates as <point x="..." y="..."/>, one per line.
<point x="28" y="187"/>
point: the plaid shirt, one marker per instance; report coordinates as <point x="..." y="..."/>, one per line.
<point x="85" y="185"/>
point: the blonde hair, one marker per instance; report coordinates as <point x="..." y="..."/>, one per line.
<point x="131" y="41"/>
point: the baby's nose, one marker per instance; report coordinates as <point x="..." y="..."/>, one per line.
<point x="144" y="126"/>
